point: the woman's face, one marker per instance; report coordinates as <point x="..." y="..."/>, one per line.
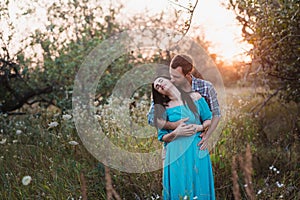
<point x="162" y="85"/>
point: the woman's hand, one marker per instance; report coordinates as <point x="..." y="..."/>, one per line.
<point x="199" y="128"/>
<point x="182" y="130"/>
<point x="185" y="130"/>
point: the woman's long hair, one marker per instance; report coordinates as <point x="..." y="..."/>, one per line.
<point x="161" y="101"/>
<point x="187" y="100"/>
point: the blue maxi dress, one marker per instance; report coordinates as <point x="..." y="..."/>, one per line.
<point x="187" y="172"/>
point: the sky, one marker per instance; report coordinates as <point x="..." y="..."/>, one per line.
<point x="217" y="24"/>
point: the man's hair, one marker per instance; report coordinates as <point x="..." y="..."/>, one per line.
<point x="183" y="61"/>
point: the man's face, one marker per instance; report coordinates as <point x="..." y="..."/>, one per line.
<point x="177" y="77"/>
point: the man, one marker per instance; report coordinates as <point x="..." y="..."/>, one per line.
<point x="180" y="70"/>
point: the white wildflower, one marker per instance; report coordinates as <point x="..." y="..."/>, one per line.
<point x="3" y="141"/>
<point x="185" y="197"/>
<point x="18" y="132"/>
<point x="245" y="185"/>
<point x="259" y="192"/>
<point x="281" y="196"/>
<point x="279" y="184"/>
<point x="53" y="124"/>
<point x="96" y="103"/>
<point x="74" y="143"/>
<point x="14" y="141"/>
<point x="271" y="167"/>
<point x="98" y="117"/>
<point x="195" y="197"/>
<point x="26" y="180"/>
<point x="67" y="117"/>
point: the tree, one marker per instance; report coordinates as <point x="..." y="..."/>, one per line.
<point x="43" y="68"/>
<point x="46" y="76"/>
<point x="272" y="27"/>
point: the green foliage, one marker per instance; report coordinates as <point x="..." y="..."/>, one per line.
<point x="73" y="29"/>
<point x="273" y="145"/>
<point x="47" y="155"/>
<point x="30" y="145"/>
<point x="273" y="30"/>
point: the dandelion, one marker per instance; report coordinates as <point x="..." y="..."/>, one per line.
<point x="74" y="143"/>
<point x="66" y="117"/>
<point x="3" y="141"/>
<point x="53" y="124"/>
<point x="26" y="180"/>
<point x="259" y="192"/>
<point x="18" y="132"/>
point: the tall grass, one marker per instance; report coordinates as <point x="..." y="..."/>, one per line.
<point x="62" y="168"/>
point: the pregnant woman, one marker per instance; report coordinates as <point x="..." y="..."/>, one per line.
<point x="187" y="172"/>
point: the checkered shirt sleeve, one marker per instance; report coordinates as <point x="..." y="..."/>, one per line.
<point x="206" y="89"/>
<point x="150" y="114"/>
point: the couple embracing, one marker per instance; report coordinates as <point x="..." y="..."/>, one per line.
<point x="185" y="111"/>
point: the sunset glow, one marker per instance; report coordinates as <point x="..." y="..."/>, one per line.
<point x="216" y="23"/>
<point x="211" y="20"/>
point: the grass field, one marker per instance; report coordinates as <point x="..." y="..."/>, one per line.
<point x="256" y="156"/>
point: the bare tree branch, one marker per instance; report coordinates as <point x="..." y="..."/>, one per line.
<point x="191" y="12"/>
<point x="266" y="101"/>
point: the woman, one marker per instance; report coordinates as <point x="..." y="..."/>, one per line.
<point x="187" y="169"/>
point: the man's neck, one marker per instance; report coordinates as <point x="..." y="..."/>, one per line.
<point x="187" y="87"/>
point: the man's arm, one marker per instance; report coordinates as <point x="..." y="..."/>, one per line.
<point x="215" y="109"/>
<point x="150" y="114"/>
<point x="205" y="135"/>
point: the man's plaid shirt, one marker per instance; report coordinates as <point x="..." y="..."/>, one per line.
<point x="206" y="89"/>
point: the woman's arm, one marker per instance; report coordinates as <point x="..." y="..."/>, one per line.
<point x="206" y="124"/>
<point x="163" y="124"/>
<point x="182" y="130"/>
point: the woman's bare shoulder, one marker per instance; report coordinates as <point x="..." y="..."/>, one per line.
<point x="196" y="96"/>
